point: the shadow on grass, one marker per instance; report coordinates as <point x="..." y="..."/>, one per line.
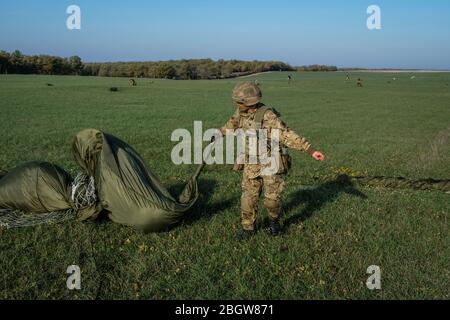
<point x="203" y="208"/>
<point x="315" y="198"/>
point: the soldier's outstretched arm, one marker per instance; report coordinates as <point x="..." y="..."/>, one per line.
<point x="290" y="138"/>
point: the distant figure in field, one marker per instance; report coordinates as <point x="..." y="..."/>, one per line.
<point x="347" y="78"/>
<point x="132" y="82"/>
<point x="289" y="79"/>
<point x="359" y="83"/>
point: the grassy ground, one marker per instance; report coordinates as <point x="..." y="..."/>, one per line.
<point x="392" y="128"/>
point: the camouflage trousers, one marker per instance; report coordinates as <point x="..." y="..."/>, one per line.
<point x="251" y="191"/>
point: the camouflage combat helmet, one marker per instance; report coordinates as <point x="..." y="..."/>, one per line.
<point x="247" y="93"/>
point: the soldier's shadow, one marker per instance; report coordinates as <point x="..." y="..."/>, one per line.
<point x="204" y="208"/>
<point x="315" y="198"/>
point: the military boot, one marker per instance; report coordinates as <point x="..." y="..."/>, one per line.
<point x="245" y="234"/>
<point x="275" y="227"/>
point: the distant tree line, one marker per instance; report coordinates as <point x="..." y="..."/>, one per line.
<point x="317" y="67"/>
<point x="353" y="69"/>
<point x="184" y="69"/>
<point x="16" y="62"/>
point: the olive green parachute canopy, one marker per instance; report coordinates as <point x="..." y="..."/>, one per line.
<point x="39" y="192"/>
<point x="124" y="187"/>
<point x="127" y="189"/>
<point x="36" y="187"/>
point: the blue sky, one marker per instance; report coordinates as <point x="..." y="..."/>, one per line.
<point x="414" y="34"/>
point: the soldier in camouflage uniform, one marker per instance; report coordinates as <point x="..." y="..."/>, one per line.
<point x="247" y="97"/>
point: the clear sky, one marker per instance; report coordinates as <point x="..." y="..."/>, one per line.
<point x="414" y="34"/>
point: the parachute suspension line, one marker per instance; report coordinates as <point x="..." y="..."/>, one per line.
<point x="393" y="182"/>
<point x="83" y="196"/>
<point x="404" y="183"/>
<point x="83" y="191"/>
<point x="10" y="218"/>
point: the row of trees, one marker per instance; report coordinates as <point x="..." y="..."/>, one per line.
<point x="184" y="69"/>
<point x="16" y="62"/>
<point x="317" y="67"/>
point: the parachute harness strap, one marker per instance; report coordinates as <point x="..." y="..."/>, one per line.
<point x="83" y="196"/>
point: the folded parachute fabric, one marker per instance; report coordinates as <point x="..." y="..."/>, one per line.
<point x="39" y="192"/>
<point x="126" y="188"/>
<point x="115" y="179"/>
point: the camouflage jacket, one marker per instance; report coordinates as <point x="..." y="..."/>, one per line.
<point x="288" y="138"/>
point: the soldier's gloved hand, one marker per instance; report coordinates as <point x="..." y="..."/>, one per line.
<point x="319" y="156"/>
<point x="217" y="135"/>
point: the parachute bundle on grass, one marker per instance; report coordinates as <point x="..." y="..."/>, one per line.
<point x="40" y="192"/>
<point x="114" y="179"/>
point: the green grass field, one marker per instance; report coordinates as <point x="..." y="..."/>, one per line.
<point x="332" y="234"/>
